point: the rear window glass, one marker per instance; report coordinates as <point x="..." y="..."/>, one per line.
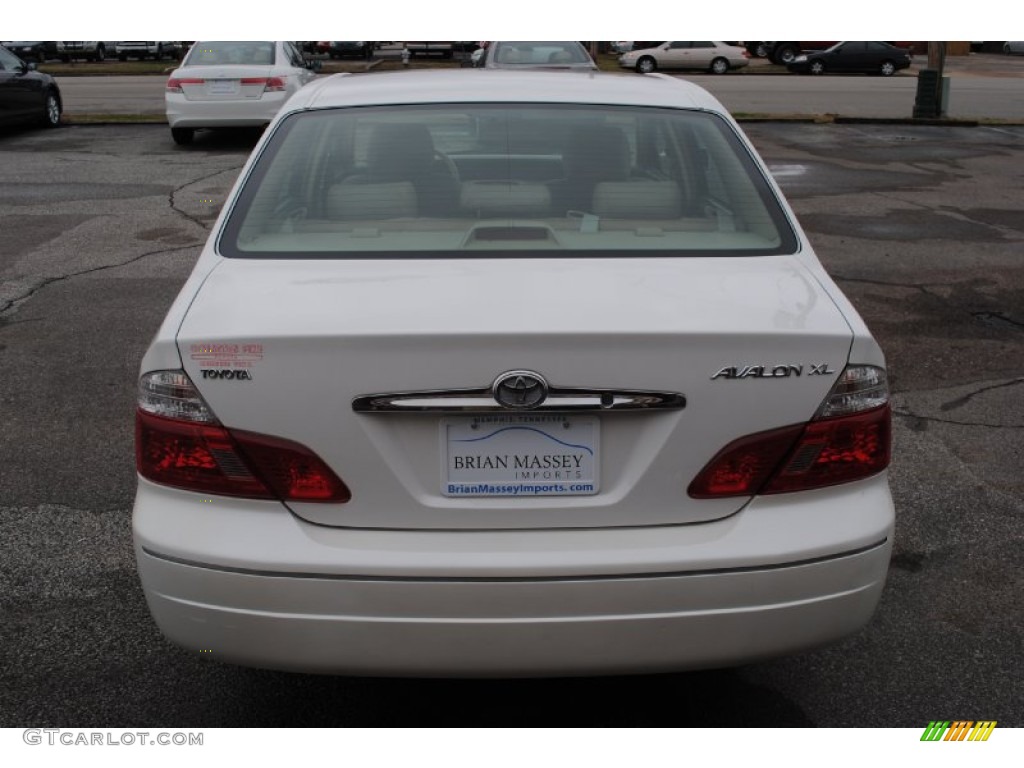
<point x="220" y="53"/>
<point x="462" y="181"/>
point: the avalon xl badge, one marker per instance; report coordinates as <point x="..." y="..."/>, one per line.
<point x="520" y="390"/>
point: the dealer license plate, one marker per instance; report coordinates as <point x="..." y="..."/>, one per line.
<point x="221" y="87"/>
<point x="520" y="455"/>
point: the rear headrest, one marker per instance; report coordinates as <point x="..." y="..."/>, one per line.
<point x="399" y="152"/>
<point x="510" y="56"/>
<point x="638" y="199"/>
<point x="597" y="152"/>
<point x="365" y="202"/>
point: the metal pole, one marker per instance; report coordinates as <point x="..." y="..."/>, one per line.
<point x="937" y="57"/>
<point x="937" y="61"/>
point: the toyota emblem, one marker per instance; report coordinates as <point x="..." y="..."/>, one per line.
<point x="520" y="390"/>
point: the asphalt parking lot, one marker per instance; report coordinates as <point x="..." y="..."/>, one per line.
<point x="920" y="226"/>
<point x="981" y="86"/>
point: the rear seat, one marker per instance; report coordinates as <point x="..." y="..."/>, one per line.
<point x="637" y="200"/>
<point x="371" y="202"/>
<point x="503" y="199"/>
<point x="641" y="200"/>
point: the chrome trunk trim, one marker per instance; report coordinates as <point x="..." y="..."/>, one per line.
<point x="482" y="401"/>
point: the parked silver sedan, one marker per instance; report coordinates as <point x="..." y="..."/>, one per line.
<point x="711" y="55"/>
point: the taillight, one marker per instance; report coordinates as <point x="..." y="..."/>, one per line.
<point x="174" y="83"/>
<point x="743" y="466"/>
<point x="848" y="439"/>
<point x="179" y="442"/>
<point x="835" y="451"/>
<point x="268" y="83"/>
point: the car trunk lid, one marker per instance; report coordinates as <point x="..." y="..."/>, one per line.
<point x="219" y="83"/>
<point x="287" y="348"/>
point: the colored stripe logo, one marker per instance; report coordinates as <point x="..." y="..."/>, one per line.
<point x="958" y="730"/>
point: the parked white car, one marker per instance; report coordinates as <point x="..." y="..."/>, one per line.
<point x="233" y="84"/>
<point x="548" y="54"/>
<point x="509" y="373"/>
<point x="708" y="55"/>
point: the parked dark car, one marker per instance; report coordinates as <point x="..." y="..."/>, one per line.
<point x="758" y="49"/>
<point x="33" y="50"/>
<point x="361" y="49"/>
<point x="27" y="96"/>
<point x="445" y="49"/>
<point x="869" y="58"/>
<point x="90" y="50"/>
<point x="784" y="51"/>
<point x="148" y="49"/>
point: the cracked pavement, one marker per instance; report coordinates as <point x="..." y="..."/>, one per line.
<point x="921" y="227"/>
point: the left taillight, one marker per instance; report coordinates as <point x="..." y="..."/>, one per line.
<point x="174" y="84"/>
<point x="848" y="439"/>
<point x="179" y="442"/>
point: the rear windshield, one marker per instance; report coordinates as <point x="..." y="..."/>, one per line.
<point x="221" y="53"/>
<point x="511" y="180"/>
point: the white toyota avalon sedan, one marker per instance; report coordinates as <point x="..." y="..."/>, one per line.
<point x="223" y="84"/>
<point x="490" y="373"/>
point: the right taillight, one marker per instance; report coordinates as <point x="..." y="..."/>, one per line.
<point x="180" y="443"/>
<point x="848" y="439"/>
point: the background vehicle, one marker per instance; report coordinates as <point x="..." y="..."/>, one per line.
<point x="429" y="48"/>
<point x="785" y="51"/>
<point x="444" y="49"/>
<point x="1013" y="46"/>
<point x="148" y="49"/>
<point x="759" y="49"/>
<point x="90" y="50"/>
<point x="27" y="96"/>
<point x="523" y="55"/>
<point x="233" y="84"/>
<point x="32" y="50"/>
<point x="625" y="46"/>
<point x="361" y="49"/>
<point x="869" y="58"/>
<point x="716" y="57"/>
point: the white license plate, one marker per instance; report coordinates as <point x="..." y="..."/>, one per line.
<point x="221" y="87"/>
<point x="520" y="455"/>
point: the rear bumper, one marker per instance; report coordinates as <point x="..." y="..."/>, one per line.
<point x="182" y="113"/>
<point x="509" y="604"/>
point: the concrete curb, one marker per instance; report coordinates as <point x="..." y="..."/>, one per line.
<point x="952" y="122"/>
